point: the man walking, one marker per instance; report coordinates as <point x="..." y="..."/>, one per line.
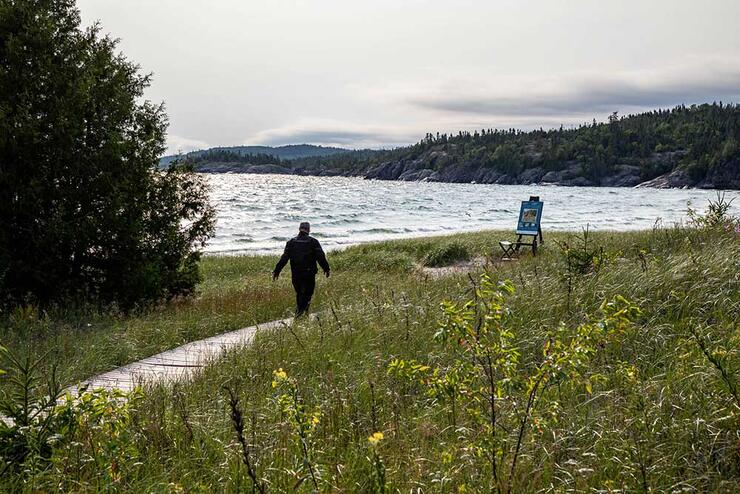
<point x="303" y="252"/>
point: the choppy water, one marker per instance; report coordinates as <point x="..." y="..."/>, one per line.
<point x="258" y="213"/>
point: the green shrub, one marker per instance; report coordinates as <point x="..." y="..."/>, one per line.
<point x="446" y="254"/>
<point x="717" y="215"/>
<point x="487" y="382"/>
<point x="45" y="430"/>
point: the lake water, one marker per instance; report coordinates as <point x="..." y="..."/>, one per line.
<point x="258" y="213"/>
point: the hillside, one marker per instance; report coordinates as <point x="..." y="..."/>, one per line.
<point x="288" y="152"/>
<point x="693" y="146"/>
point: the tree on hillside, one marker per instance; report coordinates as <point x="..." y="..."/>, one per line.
<point x="84" y="210"/>
<point x="700" y="140"/>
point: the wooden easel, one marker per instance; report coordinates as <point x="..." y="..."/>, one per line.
<point x="511" y="249"/>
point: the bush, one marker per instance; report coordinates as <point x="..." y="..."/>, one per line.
<point x="717" y="216"/>
<point x="446" y="254"/>
<point x="44" y="429"/>
<point x="486" y="387"/>
<point x="85" y="209"/>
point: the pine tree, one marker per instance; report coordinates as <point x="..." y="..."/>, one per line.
<point x="85" y="210"/>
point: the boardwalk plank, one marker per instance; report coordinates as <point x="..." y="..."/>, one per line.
<point x="178" y="363"/>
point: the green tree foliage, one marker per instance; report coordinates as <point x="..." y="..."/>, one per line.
<point x="84" y="209"/>
<point x="228" y="156"/>
<point x="701" y="139"/>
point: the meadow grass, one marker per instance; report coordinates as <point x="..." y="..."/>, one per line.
<point x="653" y="408"/>
<point x="236" y="291"/>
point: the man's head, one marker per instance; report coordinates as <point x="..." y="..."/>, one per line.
<point x="305" y="227"/>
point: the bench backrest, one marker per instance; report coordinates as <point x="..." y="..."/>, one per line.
<point x="530" y="215"/>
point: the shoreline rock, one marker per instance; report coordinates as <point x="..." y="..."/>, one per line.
<point x="677" y="179"/>
<point x="572" y="175"/>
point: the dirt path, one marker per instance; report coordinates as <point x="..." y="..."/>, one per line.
<point x="459" y="267"/>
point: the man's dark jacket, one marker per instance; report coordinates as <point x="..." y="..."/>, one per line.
<point x="303" y="252"/>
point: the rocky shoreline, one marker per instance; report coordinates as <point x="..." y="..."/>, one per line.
<point x="571" y="175"/>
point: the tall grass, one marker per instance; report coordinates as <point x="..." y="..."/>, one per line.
<point x="653" y="407"/>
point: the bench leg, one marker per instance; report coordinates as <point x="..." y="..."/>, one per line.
<point x="509" y="253"/>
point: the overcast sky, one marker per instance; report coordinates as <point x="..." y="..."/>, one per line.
<point x="379" y="73"/>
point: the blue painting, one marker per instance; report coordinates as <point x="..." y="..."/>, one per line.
<point x="530" y="215"/>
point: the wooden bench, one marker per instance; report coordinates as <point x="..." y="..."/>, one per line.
<point x="530" y="215"/>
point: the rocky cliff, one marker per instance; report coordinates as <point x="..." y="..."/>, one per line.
<point x="695" y="146"/>
<point x="572" y="173"/>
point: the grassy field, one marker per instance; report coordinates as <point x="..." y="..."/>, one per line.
<point x="612" y="366"/>
<point x="236" y="292"/>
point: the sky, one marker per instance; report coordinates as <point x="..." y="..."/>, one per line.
<point x="383" y="73"/>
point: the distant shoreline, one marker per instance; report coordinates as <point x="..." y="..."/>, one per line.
<point x="682" y="147"/>
<point x="672" y="180"/>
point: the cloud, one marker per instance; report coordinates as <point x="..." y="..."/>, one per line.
<point x="446" y="103"/>
<point x="178" y="144"/>
<point x="584" y="93"/>
<point x="358" y="136"/>
<point x="336" y="133"/>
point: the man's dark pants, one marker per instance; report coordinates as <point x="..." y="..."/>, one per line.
<point x="304" y="285"/>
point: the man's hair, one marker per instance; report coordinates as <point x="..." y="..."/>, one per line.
<point x="305" y="227"/>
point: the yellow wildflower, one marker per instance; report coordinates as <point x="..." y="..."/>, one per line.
<point x="375" y="438"/>
<point x="280" y="375"/>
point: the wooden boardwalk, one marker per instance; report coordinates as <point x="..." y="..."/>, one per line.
<point x="177" y="363"/>
<point x="174" y="364"/>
